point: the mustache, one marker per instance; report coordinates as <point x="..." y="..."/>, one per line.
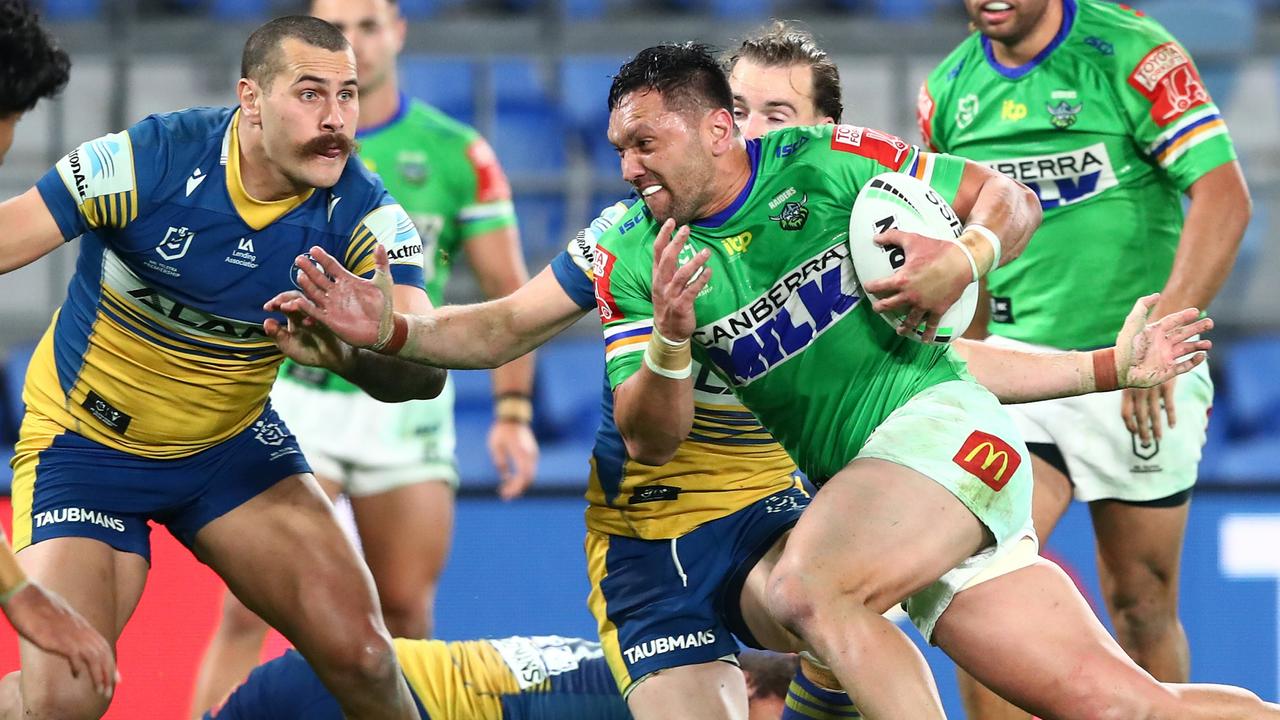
<point x="324" y="142"/>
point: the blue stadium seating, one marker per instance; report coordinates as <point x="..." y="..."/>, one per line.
<point x="584" y="88"/>
<point x="419" y="9"/>
<point x="240" y="9"/>
<point x="569" y="384"/>
<point x="519" y="82"/>
<point x="472" y="390"/>
<point x="542" y="227"/>
<point x="529" y="139"/>
<point x="446" y="82"/>
<point x="583" y="9"/>
<point x="1253" y="393"/>
<point x="63" y="10"/>
<point x="14" y="375"/>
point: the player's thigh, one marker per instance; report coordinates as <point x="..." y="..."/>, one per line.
<point x="406" y="532"/>
<point x="714" y="690"/>
<point x="103" y="585"/>
<point x="284" y="555"/>
<point x="1139" y="548"/>
<point x="1029" y="636"/>
<point x="881" y="532"/>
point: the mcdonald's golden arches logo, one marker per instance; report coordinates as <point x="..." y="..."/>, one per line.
<point x="988" y="458"/>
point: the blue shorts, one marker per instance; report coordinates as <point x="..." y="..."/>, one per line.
<point x="285" y="688"/>
<point x="75" y="487"/>
<point x="661" y="604"/>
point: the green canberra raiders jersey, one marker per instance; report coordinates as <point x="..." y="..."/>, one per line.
<point x="1109" y="125"/>
<point x="782" y="320"/>
<point x="447" y="179"/>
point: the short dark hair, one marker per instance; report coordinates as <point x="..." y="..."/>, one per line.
<point x="32" y="66"/>
<point x="770" y="672"/>
<point x="262" y="60"/>
<point x="687" y="75"/>
<point x="781" y="44"/>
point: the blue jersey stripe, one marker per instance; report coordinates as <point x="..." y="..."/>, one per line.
<point x="573" y="281"/>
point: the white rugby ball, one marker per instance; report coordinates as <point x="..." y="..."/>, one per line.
<point x="896" y="200"/>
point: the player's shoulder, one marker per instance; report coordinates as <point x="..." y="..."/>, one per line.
<point x="185" y="132"/>
<point x="432" y="122"/>
<point x="965" y="56"/>
<point x="630" y="227"/>
<point x="821" y="146"/>
<point x="1118" y="32"/>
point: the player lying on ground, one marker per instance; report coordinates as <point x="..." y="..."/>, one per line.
<point x="687" y="155"/>
<point x="32" y="67"/>
<point x="147" y="396"/>
<point x="1112" y="126"/>
<point x="514" y="678"/>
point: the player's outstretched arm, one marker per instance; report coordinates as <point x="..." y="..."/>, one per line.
<point x="28" y="231"/>
<point x="654" y="407"/>
<point x="483" y="335"/>
<point x="1145" y="355"/>
<point x="46" y="621"/>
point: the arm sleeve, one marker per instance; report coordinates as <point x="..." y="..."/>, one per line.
<point x="390" y="226"/>
<point x="488" y="204"/>
<point x="853" y="155"/>
<point x="625" y="302"/>
<point x="926" y="110"/>
<point x="100" y="183"/>
<point x="1174" y="121"/>
<point x="573" y="266"/>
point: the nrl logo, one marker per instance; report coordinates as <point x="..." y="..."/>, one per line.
<point x="793" y="215"/>
<point x="1063" y="115"/>
<point x="413" y="167"/>
<point x="175" y="244"/>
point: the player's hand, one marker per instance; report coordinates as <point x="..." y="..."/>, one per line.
<point x="1149" y="357"/>
<point x="676" y="285"/>
<point x="515" y="453"/>
<point x="929" y="282"/>
<point x="357" y="310"/>
<point x="310" y="343"/>
<point x="45" y="620"/>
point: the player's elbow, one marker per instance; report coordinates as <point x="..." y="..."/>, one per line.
<point x="1029" y="207"/>
<point x="654" y="451"/>
<point x="416" y="382"/>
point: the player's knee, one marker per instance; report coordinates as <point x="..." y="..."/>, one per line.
<point x="362" y="661"/>
<point x="62" y="699"/>
<point x="1096" y="693"/>
<point x="238" y="620"/>
<point x="408" y="610"/>
<point x="1144" y="605"/>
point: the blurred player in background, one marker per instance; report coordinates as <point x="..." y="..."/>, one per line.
<point x="514" y="678"/>
<point x="487" y="334"/>
<point x="1099" y="110"/>
<point x="147" y="398"/>
<point x="32" y="67"/>
<point x="395" y="462"/>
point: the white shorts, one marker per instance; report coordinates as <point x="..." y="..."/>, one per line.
<point x="368" y="446"/>
<point x="1107" y="462"/>
<point x="958" y="435"/>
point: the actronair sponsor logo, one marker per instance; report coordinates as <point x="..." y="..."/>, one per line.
<point x="78" y="515"/>
<point x="1062" y="178"/>
<point x="663" y="645"/>
<point x="784" y="319"/>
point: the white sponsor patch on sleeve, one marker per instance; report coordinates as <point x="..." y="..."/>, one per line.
<point x="99" y="167"/>
<point x="394" y="230"/>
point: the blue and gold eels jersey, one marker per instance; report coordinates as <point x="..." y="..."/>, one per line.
<point x="159" y="349"/>
<point x="728" y="462"/>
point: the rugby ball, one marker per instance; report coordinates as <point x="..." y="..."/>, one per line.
<point x="896" y="200"/>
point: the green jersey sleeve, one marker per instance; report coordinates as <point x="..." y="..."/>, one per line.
<point x="622" y="272"/>
<point x="1174" y="121"/>
<point x="487" y="203"/>
<point x="852" y="155"/>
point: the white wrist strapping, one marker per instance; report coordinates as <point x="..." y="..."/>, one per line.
<point x="668" y="352"/>
<point x="973" y="264"/>
<point x="992" y="238"/>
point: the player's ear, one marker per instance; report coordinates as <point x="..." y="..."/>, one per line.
<point x="250" y="95"/>
<point x="722" y="129"/>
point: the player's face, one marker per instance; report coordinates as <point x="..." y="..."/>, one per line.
<point x="376" y="33"/>
<point x="309" y="114"/>
<point x="664" y="156"/>
<point x="7" y="124"/>
<point x="1006" y="21"/>
<point x="767" y="97"/>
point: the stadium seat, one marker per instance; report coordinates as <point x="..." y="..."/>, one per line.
<point x="448" y="83"/>
<point x="742" y="9"/>
<point x="14" y="376"/>
<point x="472" y="390"/>
<point x="1253" y="394"/>
<point x="64" y="10"/>
<point x="569" y="383"/>
<point x="542" y="227"/>
<point x="529" y="139"/>
<point x="240" y="9"/>
<point x="519" y="82"/>
<point x="583" y="9"/>
<point x="419" y="9"/>
<point x="1248" y="461"/>
<point x="564" y="464"/>
<point x="584" y="87"/>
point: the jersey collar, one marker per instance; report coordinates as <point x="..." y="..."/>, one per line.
<point x="256" y="213"/>
<point x="1013" y="73"/>
<point x="720" y="218"/>
<point x="402" y="107"/>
